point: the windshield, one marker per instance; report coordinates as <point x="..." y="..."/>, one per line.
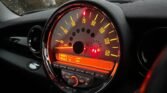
<point x="21" y="7"/>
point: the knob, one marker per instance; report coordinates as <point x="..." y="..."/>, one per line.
<point x="73" y="81"/>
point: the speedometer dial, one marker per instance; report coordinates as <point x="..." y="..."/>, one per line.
<point x="85" y="36"/>
<point x="82" y="47"/>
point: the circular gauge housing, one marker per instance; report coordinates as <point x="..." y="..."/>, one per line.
<point x="82" y="36"/>
<point x="81" y="46"/>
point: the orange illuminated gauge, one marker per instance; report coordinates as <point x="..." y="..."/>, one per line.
<point x="85" y="37"/>
<point x="81" y="45"/>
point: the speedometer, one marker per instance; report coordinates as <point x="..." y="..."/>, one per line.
<point x="85" y="36"/>
<point x="82" y="48"/>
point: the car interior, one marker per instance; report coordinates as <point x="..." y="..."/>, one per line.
<point x="84" y="46"/>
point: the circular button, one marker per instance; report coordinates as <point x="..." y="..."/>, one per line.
<point x="73" y="81"/>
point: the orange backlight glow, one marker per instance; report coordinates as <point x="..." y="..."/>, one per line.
<point x="85" y="62"/>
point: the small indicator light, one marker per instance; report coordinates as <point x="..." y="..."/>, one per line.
<point x="95" y="50"/>
<point x="84" y="13"/>
<point x="98" y="50"/>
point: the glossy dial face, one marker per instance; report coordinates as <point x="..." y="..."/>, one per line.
<point x="85" y="37"/>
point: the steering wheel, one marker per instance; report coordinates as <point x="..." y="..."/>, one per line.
<point x="155" y="81"/>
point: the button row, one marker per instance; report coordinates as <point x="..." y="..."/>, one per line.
<point x="95" y="74"/>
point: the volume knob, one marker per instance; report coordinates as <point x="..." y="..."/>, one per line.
<point x="73" y="81"/>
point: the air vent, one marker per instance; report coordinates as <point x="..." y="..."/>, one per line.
<point x="34" y="38"/>
<point x="151" y="45"/>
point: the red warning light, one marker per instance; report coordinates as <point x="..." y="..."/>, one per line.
<point x="95" y="50"/>
<point x="84" y="13"/>
<point x="98" y="50"/>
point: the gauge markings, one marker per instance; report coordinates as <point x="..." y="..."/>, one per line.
<point x="93" y="23"/>
<point x="103" y="29"/>
<point x="107" y="52"/>
<point x="72" y="22"/>
<point x="115" y="47"/>
<point x="108" y="40"/>
<point x="114" y="55"/>
<point x="111" y="32"/>
<point x="77" y="16"/>
<point x="59" y="34"/>
<point x="102" y="20"/>
<point x="66" y="22"/>
<point x="90" y="14"/>
<point x="106" y="26"/>
<point x="60" y="41"/>
<point x="64" y="29"/>
<point x="84" y="20"/>
<point x="113" y="39"/>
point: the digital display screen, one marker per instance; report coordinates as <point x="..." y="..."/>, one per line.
<point x="89" y="63"/>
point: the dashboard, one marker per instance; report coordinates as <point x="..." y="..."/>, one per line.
<point x="83" y="46"/>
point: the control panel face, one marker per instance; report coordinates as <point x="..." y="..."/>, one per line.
<point x="83" y="46"/>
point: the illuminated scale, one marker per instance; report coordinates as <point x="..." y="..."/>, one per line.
<point x="84" y="41"/>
